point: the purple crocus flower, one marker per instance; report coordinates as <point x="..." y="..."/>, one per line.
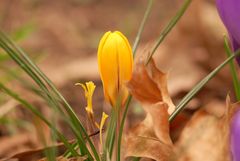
<point x="229" y="11"/>
<point x="235" y="136"/>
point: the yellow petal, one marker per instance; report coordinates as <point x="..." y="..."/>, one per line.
<point x="88" y="88"/>
<point x="115" y="62"/>
<point x="125" y="64"/>
<point x="103" y="120"/>
<point x="84" y="88"/>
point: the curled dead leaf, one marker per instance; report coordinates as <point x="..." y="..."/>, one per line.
<point x="149" y="85"/>
<point x="150" y="138"/>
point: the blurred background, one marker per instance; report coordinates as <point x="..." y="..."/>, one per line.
<point x="62" y="37"/>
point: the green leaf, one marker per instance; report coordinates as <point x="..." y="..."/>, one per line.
<point x="169" y="27"/>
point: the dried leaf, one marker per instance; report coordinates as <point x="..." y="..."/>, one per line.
<point x="33" y="155"/>
<point x="206" y="136"/>
<point x="150" y="138"/>
<point x="149" y="85"/>
<point x="15" y="144"/>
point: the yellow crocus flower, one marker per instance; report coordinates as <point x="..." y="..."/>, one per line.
<point x="115" y="62"/>
<point x="88" y="88"/>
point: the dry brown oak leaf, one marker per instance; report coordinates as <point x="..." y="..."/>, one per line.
<point x="150" y="138"/>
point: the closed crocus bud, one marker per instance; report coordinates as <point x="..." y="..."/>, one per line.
<point x="235" y="136"/>
<point x="229" y="11"/>
<point x="115" y="62"/>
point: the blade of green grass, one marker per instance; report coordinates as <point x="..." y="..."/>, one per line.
<point x="76" y="122"/>
<point x="50" y="153"/>
<point x="40" y="93"/>
<point x="38" y="114"/>
<point x="76" y="146"/>
<point x="68" y="153"/>
<point x="142" y="25"/>
<point x="25" y="67"/>
<point x="168" y="28"/>
<point x="199" y="86"/>
<point x="233" y="68"/>
<point x="29" y="71"/>
<point x="36" y="74"/>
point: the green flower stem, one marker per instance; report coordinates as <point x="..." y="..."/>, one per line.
<point x="117" y="133"/>
<point x="199" y="86"/>
<point x="235" y="79"/>
<point x="168" y="28"/>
